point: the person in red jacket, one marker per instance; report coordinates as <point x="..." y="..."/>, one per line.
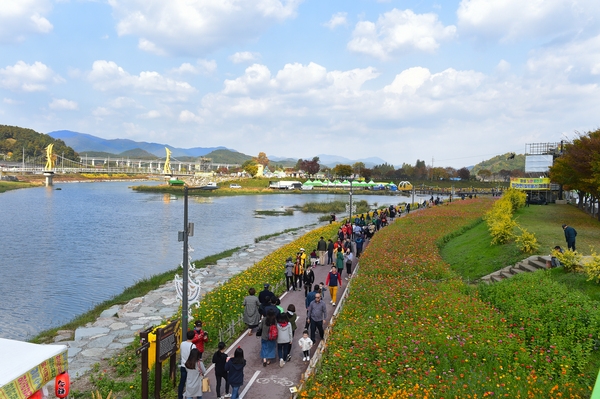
<point x="200" y="337"/>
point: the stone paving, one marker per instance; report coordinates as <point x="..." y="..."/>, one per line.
<point x="116" y="327"/>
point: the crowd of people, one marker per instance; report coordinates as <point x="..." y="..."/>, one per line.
<point x="276" y="326"/>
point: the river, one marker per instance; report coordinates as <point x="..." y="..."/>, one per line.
<point x="64" y="251"/>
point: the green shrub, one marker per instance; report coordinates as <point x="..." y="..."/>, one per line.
<point x="558" y="326"/>
<point x="526" y="242"/>
<point x="570" y="260"/>
<point x="592" y="267"/>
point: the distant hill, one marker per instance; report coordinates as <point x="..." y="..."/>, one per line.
<point x="14" y="140"/>
<point x="137" y="153"/>
<point x="228" y="156"/>
<point x="82" y="142"/>
<point x="500" y="162"/>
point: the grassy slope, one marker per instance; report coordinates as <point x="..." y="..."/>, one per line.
<point x="9" y="185"/>
<point x="472" y="256"/>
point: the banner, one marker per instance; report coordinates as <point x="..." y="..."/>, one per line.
<point x="520" y="183"/>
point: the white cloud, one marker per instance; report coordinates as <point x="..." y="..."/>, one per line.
<point x="187" y="116"/>
<point x="11" y="101"/>
<point x="61" y="104"/>
<point x="511" y="20"/>
<point x="153" y="114"/>
<point x="108" y="76"/>
<point x="296" y="77"/>
<point x="199" y="26"/>
<point x="400" y="31"/>
<point x="102" y="112"/>
<point x="28" y="78"/>
<point x="578" y="61"/>
<point x="244" y="56"/>
<point x="123" y="102"/>
<point x="337" y="19"/>
<point x="23" y="17"/>
<point x="206" y="67"/>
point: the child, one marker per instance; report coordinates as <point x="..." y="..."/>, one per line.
<point x="305" y="343"/>
<point x="235" y="368"/>
<point x="219" y="359"/>
<point x="195" y="373"/>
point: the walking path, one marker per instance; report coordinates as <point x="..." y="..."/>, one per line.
<point x="117" y="326"/>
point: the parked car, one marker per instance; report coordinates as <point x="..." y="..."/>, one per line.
<point x="235" y="186"/>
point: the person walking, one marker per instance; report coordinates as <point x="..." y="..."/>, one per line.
<point x="195" y="372"/>
<point x="330" y="247"/>
<point x="316" y="317"/>
<point x="570" y="234"/>
<point x="339" y="261"/>
<point x="267" y="346"/>
<point x="322" y="250"/>
<point x="305" y="344"/>
<point x="290" y="282"/>
<point x="235" y="368"/>
<point x="308" y="278"/>
<point x="264" y="294"/>
<point x="298" y="270"/>
<point x="185" y="349"/>
<point x="200" y="337"/>
<point x="292" y="317"/>
<point x="284" y="338"/>
<point x="348" y="259"/>
<point x="333" y="281"/>
<point x="251" y="307"/>
<point x="220" y="359"/>
<point x="359" y="244"/>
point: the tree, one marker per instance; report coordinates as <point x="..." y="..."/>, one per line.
<point x="342" y="170"/>
<point x="311" y="167"/>
<point x="358" y="167"/>
<point x="262" y="159"/>
<point x="367" y="173"/>
<point x="250" y="167"/>
<point x="485" y="174"/>
<point x="464" y="174"/>
<point x="383" y="170"/>
<point x="577" y="168"/>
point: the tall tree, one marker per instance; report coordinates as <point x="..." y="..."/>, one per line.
<point x="311" y="167"/>
<point x="262" y="159"/>
<point x="342" y="170"/>
<point x="357" y="167"/>
<point x="485" y="174"/>
<point x="577" y="168"/>
<point x="464" y="174"/>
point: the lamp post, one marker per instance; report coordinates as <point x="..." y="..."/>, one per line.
<point x="188" y="230"/>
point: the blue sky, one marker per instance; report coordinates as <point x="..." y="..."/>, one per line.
<point x="455" y="82"/>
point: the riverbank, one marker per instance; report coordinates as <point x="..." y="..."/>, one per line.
<point x="115" y="327"/>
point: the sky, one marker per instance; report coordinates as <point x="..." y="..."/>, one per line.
<point x="449" y="82"/>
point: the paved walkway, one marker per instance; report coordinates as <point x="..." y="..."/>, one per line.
<point x="117" y="326"/>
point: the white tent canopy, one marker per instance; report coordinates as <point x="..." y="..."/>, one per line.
<point x="25" y="368"/>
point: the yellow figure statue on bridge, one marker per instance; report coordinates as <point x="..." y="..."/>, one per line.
<point x="50" y="158"/>
<point x="167" y="168"/>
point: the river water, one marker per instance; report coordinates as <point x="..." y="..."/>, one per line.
<point x="64" y="251"/>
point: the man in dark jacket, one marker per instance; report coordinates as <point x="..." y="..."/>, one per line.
<point x="322" y="250"/>
<point x="330" y="248"/>
<point x="264" y="294"/>
<point x="570" y="234"/>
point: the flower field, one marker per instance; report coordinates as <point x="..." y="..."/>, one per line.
<point x="222" y="305"/>
<point x="412" y="329"/>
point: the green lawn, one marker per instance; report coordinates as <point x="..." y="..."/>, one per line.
<point x="472" y="256"/>
<point x="9" y="185"/>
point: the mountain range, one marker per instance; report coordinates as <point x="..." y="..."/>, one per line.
<point x="95" y="146"/>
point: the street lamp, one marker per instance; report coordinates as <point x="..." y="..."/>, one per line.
<point x="188" y="230"/>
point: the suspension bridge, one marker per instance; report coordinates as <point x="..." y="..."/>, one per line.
<point x="112" y="165"/>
